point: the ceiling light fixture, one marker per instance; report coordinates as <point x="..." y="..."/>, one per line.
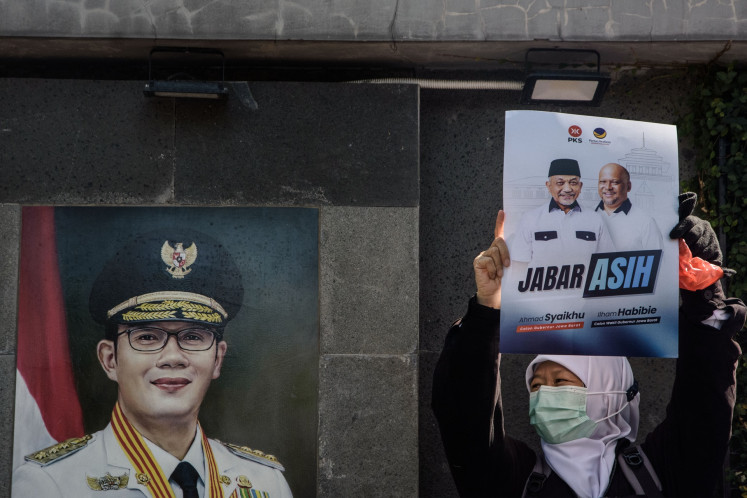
<point x="550" y="81"/>
<point x="186" y="88"/>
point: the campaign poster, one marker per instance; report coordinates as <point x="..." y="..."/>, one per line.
<point x="589" y="204"/>
<point x="266" y="395"/>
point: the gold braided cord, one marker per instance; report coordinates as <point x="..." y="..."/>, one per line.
<point x="59" y="450"/>
<point x="249" y="451"/>
<point x="148" y="316"/>
<point x="167" y="296"/>
<point x="204" y="317"/>
<point x="174" y="305"/>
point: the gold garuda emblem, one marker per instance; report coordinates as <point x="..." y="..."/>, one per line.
<point x="108" y="482"/>
<point x="178" y="259"/>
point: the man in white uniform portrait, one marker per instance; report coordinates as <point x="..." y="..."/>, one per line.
<point x="163" y="300"/>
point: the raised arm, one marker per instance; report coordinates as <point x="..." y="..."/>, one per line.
<point x="488" y="266"/>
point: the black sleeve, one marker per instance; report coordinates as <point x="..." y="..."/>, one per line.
<point x="688" y="448"/>
<point x="467" y="405"/>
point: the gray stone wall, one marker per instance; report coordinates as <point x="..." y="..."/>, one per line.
<point x="9" y="242"/>
<point x="350" y="151"/>
<point x="362" y="20"/>
<point x="369" y="362"/>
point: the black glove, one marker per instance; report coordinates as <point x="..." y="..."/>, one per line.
<point x="697" y="233"/>
<point x="702" y="240"/>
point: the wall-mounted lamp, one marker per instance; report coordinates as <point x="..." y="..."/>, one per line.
<point x="180" y="88"/>
<point x="554" y="83"/>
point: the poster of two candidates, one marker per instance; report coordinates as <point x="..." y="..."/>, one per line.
<point x="589" y="205"/>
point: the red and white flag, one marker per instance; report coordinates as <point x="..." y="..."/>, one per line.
<point x="47" y="408"/>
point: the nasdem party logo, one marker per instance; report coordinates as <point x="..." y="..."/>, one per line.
<point x="599" y="137"/>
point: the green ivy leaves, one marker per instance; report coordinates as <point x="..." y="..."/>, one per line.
<point x="718" y="116"/>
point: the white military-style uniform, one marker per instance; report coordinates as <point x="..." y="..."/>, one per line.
<point x="549" y="236"/>
<point x="631" y="229"/>
<point x="97" y="466"/>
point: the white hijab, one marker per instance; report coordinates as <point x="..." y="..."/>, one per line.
<point x="585" y="464"/>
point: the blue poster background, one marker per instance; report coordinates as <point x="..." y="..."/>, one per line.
<point x="544" y="309"/>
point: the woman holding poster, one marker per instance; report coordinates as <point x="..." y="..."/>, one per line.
<point x="585" y="408"/>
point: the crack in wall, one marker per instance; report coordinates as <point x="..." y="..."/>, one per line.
<point x="151" y="20"/>
<point x="393" y="28"/>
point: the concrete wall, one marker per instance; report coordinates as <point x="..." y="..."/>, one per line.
<point x="350" y="151"/>
<point x="9" y="240"/>
<point x="484" y="35"/>
<point x="388" y="20"/>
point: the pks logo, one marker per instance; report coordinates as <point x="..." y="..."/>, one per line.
<point x="575" y="134"/>
<point x="600" y="133"/>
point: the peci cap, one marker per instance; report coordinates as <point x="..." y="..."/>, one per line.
<point x="168" y="275"/>
<point x="564" y="167"/>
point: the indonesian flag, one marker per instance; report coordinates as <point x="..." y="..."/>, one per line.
<point x="47" y="408"/>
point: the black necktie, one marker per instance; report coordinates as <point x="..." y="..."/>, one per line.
<point x="186" y="477"/>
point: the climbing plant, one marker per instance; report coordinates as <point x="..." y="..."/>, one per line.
<point x="716" y="125"/>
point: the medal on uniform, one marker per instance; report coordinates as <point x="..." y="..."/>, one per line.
<point x="148" y="472"/>
<point x="107" y="482"/>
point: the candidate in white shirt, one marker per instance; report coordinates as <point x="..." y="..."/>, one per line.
<point x="631" y="229"/>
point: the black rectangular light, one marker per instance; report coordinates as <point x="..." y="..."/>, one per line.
<point x="176" y="86"/>
<point x="564" y="89"/>
<point x="186" y="89"/>
<point x="563" y="77"/>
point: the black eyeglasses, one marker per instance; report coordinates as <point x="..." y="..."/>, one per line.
<point x="151" y="339"/>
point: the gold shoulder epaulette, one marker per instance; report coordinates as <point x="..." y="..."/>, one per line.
<point x="59" y="450"/>
<point x="254" y="455"/>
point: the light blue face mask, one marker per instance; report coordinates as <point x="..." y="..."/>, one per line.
<point x="558" y="414"/>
